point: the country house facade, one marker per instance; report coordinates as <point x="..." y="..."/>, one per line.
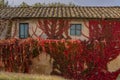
<point x="23" y="21"/>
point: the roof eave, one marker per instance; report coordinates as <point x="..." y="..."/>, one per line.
<point x="88" y="18"/>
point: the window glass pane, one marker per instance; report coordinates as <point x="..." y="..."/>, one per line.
<point x="21" y="36"/>
<point x="72" y="32"/>
<point x="26" y="31"/>
<point x="75" y="29"/>
<point x="23" y="30"/>
<point x="77" y="32"/>
<point x="72" y="26"/>
<point x="78" y="26"/>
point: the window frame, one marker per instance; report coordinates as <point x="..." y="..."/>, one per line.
<point x="75" y="29"/>
<point x="24" y="31"/>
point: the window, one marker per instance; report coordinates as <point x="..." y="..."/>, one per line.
<point x="23" y="30"/>
<point x="75" y="29"/>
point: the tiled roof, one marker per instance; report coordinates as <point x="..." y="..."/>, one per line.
<point x="60" y="12"/>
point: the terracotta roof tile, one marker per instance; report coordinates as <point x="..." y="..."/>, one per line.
<point x="60" y="12"/>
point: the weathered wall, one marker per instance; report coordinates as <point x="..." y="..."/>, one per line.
<point x="114" y="65"/>
<point x="4" y="32"/>
<point x="34" y="22"/>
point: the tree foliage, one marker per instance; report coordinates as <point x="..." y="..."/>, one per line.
<point x="56" y="4"/>
<point x="38" y="4"/>
<point x="23" y="4"/>
<point x="3" y="3"/>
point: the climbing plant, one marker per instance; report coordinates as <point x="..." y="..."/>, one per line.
<point x="53" y="28"/>
<point x="73" y="59"/>
<point x="5" y="28"/>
